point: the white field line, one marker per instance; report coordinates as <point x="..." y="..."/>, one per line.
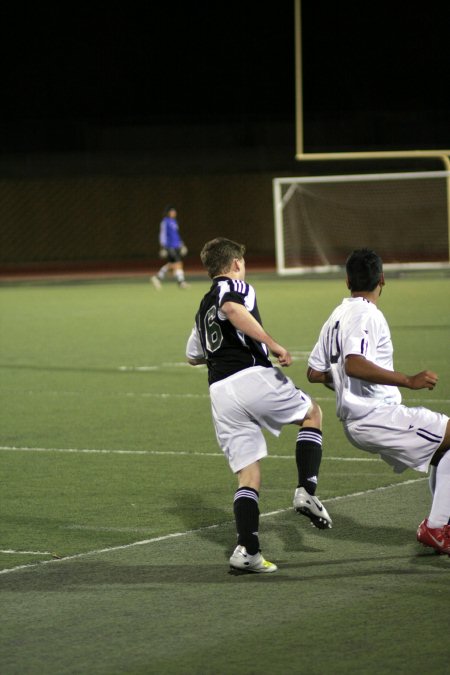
<point x="176" y="535"/>
<point x="405" y="401"/>
<point x="9" y="550"/>
<point x="188" y="395"/>
<point x="95" y="451"/>
<point x="115" y="394"/>
<point x="180" y="364"/>
<point x="96" y="528"/>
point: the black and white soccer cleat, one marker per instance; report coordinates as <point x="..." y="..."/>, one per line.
<point x="313" y="508"/>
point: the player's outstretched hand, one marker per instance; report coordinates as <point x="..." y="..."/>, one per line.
<point x="426" y="379"/>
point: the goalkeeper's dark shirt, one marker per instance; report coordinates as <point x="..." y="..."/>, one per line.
<point x="228" y="350"/>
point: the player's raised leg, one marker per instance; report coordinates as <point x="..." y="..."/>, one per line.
<point x="434" y="531"/>
<point x="308" y="454"/>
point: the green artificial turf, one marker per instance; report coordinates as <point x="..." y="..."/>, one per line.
<point x="116" y="503"/>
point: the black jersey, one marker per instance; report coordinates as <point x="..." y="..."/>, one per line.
<point x="228" y="350"/>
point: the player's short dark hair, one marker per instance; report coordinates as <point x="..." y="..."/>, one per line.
<point x="218" y="254"/>
<point x="169" y="207"/>
<point x="364" y="269"/>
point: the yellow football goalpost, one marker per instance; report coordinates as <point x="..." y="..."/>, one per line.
<point x="317" y="217"/>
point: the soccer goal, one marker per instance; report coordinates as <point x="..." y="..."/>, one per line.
<point x="404" y="217"/>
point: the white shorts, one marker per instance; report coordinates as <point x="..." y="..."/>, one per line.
<point x="247" y="401"/>
<point x="404" y="437"/>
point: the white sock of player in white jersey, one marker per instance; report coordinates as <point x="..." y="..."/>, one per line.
<point x="432" y="479"/>
<point x="440" y="510"/>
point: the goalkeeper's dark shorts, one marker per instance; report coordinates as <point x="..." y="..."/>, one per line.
<point x="173" y="254"/>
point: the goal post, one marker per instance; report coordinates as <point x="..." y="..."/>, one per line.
<point x="319" y="220"/>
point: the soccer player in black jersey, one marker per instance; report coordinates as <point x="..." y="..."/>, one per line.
<point x="248" y="394"/>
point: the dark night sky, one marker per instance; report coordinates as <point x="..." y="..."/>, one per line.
<point x="119" y="63"/>
<point x="199" y="60"/>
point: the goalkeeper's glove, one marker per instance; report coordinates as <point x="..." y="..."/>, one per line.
<point x="163" y="253"/>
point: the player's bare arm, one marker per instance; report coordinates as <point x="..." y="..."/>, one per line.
<point x="197" y="362"/>
<point x="194" y="350"/>
<point x="320" y="377"/>
<point x="363" y="369"/>
<point x="242" y="320"/>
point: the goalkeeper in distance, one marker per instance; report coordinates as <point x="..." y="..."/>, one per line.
<point x="172" y="250"/>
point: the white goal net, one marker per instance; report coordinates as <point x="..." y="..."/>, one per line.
<point x="404" y="217"/>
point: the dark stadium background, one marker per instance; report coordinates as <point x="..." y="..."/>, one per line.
<point x="111" y="111"/>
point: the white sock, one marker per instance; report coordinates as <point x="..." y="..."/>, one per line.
<point x="179" y="276"/>
<point x="162" y="272"/>
<point x="440" y="509"/>
<point x="432" y="479"/>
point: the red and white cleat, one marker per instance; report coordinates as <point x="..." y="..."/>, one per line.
<point x="435" y="537"/>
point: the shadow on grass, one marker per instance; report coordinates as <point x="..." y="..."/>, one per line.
<point x="100" y="576"/>
<point x="382" y="534"/>
<point x="193" y="509"/>
<point x="350" y="549"/>
<point x="295" y="531"/>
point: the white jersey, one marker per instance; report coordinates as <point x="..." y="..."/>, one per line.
<point x="356" y="326"/>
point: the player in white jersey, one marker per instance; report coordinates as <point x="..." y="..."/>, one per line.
<point x="249" y="394"/>
<point x="354" y="356"/>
